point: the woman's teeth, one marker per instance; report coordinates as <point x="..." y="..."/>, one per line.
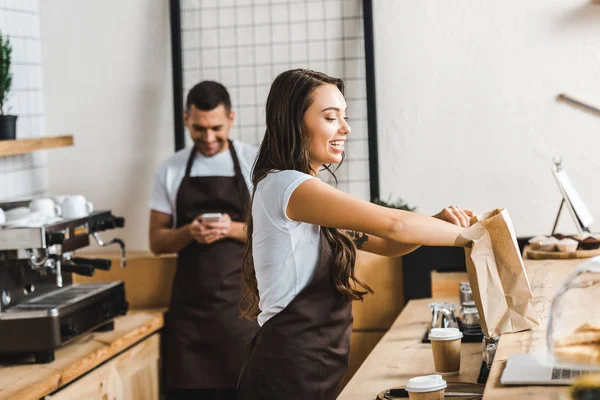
<point x="339" y="143"/>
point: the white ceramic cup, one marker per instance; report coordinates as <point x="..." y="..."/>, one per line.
<point x="45" y="206"/>
<point x="76" y="206"/>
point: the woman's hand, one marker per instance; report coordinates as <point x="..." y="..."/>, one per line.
<point x="455" y="215"/>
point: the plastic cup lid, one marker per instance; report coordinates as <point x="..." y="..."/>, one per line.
<point x="445" y="334"/>
<point x="428" y="383"/>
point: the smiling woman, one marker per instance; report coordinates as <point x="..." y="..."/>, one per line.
<point x="299" y="261"/>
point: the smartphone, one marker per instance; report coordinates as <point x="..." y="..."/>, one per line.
<point x="211" y="217"/>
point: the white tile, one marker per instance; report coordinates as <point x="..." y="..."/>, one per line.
<point x="262" y="34"/>
<point x="229" y="76"/>
<point x="190" y="19"/>
<point x="335" y="50"/>
<point x="354" y="68"/>
<point x="351" y="8"/>
<point x="247" y="96"/>
<point x="358" y="170"/>
<point x="334" y="30"/>
<point x="280" y="33"/>
<point x="263" y="75"/>
<point x="20" y="77"/>
<point x="244" y="2"/>
<point x="245" y="55"/>
<point x="299" y="52"/>
<point x="315" y="11"/>
<point x="281" y="53"/>
<point x="227" y="17"/>
<point x="191" y="77"/>
<point x="246" y="74"/>
<point x="316" y="51"/>
<point x="244" y="16"/>
<point x="190" y="39"/>
<point x="359" y="128"/>
<point x="210" y="58"/>
<point x="191" y="58"/>
<point x="354" y="48"/>
<point x="358" y="149"/>
<point x="316" y="30"/>
<point x="187" y="4"/>
<point x="261" y="15"/>
<point x="298" y="12"/>
<point x="226" y="3"/>
<point x="208" y="18"/>
<point x="210" y="3"/>
<point x="209" y="38"/>
<point x="262" y="91"/>
<point x="262" y="54"/>
<point x="249" y="116"/>
<point x="234" y="94"/>
<point x="280" y="13"/>
<point x="298" y="32"/>
<point x="334" y="69"/>
<point x="333" y="9"/>
<point x="355" y="89"/>
<point x="317" y="65"/>
<point x="352" y="28"/>
<point x="227" y="36"/>
<point x="245" y="35"/>
<point x="228" y="56"/>
<point x="39" y="178"/>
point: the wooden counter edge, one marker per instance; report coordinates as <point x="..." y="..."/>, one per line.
<point x="85" y="364"/>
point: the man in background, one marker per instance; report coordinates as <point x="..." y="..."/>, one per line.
<point x="205" y="337"/>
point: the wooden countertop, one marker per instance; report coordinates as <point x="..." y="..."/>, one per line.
<point x="400" y="355"/>
<point x="34" y="381"/>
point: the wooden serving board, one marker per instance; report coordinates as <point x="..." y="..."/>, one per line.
<point x="558" y="255"/>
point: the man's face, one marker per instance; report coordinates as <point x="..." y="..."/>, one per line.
<point x="209" y="129"/>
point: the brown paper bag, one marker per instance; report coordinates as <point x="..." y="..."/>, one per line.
<point x="498" y="280"/>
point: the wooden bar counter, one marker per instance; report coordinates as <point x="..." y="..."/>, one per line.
<point x="400" y="355"/>
<point x="119" y="364"/>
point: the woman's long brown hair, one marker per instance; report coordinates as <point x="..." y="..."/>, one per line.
<point x="286" y="146"/>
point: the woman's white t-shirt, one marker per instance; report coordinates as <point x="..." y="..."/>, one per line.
<point x="285" y="252"/>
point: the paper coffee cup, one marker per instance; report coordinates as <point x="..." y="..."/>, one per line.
<point x="445" y="344"/>
<point x="429" y="387"/>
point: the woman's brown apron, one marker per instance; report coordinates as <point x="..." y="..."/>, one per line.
<point x="302" y="352"/>
<point x="206" y="339"/>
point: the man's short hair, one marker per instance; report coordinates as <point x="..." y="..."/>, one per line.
<point x="208" y="95"/>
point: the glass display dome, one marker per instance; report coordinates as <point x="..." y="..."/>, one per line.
<point x="573" y="330"/>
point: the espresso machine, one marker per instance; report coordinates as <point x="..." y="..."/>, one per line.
<point x="41" y="308"/>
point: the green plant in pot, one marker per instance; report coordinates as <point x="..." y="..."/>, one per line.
<point x="398" y="204"/>
<point x="8" y="123"/>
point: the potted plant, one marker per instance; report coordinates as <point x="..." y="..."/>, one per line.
<point x="398" y="204"/>
<point x="8" y="123"/>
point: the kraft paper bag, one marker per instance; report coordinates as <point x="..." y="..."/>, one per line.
<point x="497" y="275"/>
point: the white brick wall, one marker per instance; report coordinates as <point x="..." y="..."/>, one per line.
<point x="24" y="175"/>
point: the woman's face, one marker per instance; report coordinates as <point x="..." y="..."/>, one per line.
<point x="325" y="123"/>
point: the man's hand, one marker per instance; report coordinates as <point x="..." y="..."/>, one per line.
<point x="455" y="215"/>
<point x="202" y="233"/>
<point x="223" y="227"/>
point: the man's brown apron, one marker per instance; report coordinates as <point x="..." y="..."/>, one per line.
<point x="206" y="339"/>
<point x="302" y="352"/>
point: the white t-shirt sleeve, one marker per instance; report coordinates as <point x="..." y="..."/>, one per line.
<point x="276" y="195"/>
<point x="159" y="199"/>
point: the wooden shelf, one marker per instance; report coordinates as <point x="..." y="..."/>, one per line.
<point x="22" y="146"/>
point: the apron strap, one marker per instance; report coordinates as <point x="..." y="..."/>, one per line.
<point x="241" y="182"/>
<point x="190" y="161"/>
